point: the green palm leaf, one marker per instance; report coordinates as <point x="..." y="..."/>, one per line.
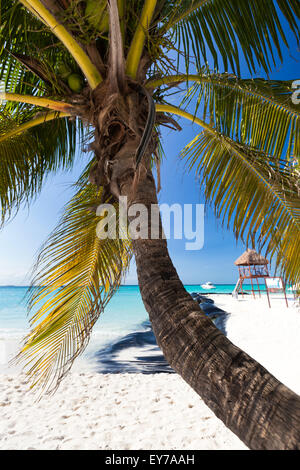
<point x="19" y="33"/>
<point x="227" y="29"/>
<point x="23" y="35"/>
<point x="28" y="157"/>
<point x="259" y="113"/>
<point x="250" y="190"/>
<point x="78" y="275"/>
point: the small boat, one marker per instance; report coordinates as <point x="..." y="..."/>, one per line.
<point x="208" y="285"/>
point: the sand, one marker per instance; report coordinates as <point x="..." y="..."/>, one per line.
<point x="124" y="411"/>
<point x="156" y="411"/>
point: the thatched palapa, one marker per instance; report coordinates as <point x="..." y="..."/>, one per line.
<point x="251" y="258"/>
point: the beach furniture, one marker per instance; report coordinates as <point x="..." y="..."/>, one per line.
<point x="275" y="285"/>
<point x="254" y="266"/>
<point x="251" y="266"/>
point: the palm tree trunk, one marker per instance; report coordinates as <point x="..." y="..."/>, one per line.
<point x="260" y="410"/>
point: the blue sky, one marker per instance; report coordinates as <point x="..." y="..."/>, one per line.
<point x="21" y="238"/>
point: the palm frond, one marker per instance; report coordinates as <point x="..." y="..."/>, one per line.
<point x="230" y="29"/>
<point x="41" y="102"/>
<point x="27" y="158"/>
<point x="137" y="45"/>
<point x="79" y="273"/>
<point x="46" y="15"/>
<point x="32" y="56"/>
<point x="256" y="112"/>
<point x="249" y="189"/>
<point x="22" y="35"/>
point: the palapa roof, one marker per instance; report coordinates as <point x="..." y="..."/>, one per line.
<point x="251" y="258"/>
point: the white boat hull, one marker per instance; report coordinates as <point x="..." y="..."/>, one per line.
<point x="208" y="287"/>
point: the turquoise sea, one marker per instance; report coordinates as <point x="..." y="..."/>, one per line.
<point x="124" y="322"/>
<point x="124" y="312"/>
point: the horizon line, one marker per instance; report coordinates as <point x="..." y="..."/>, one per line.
<point x="129" y="285"/>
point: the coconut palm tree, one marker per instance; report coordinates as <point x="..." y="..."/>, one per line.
<point x="99" y="74"/>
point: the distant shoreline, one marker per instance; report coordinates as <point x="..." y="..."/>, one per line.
<point x="136" y="285"/>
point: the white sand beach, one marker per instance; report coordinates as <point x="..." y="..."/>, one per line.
<point x="155" y="411"/>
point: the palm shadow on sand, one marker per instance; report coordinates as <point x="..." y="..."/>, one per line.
<point x="139" y="353"/>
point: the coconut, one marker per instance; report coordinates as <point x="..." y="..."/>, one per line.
<point x="75" y="82"/>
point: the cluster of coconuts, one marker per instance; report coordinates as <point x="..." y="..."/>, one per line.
<point x="97" y="15"/>
<point x="74" y="80"/>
